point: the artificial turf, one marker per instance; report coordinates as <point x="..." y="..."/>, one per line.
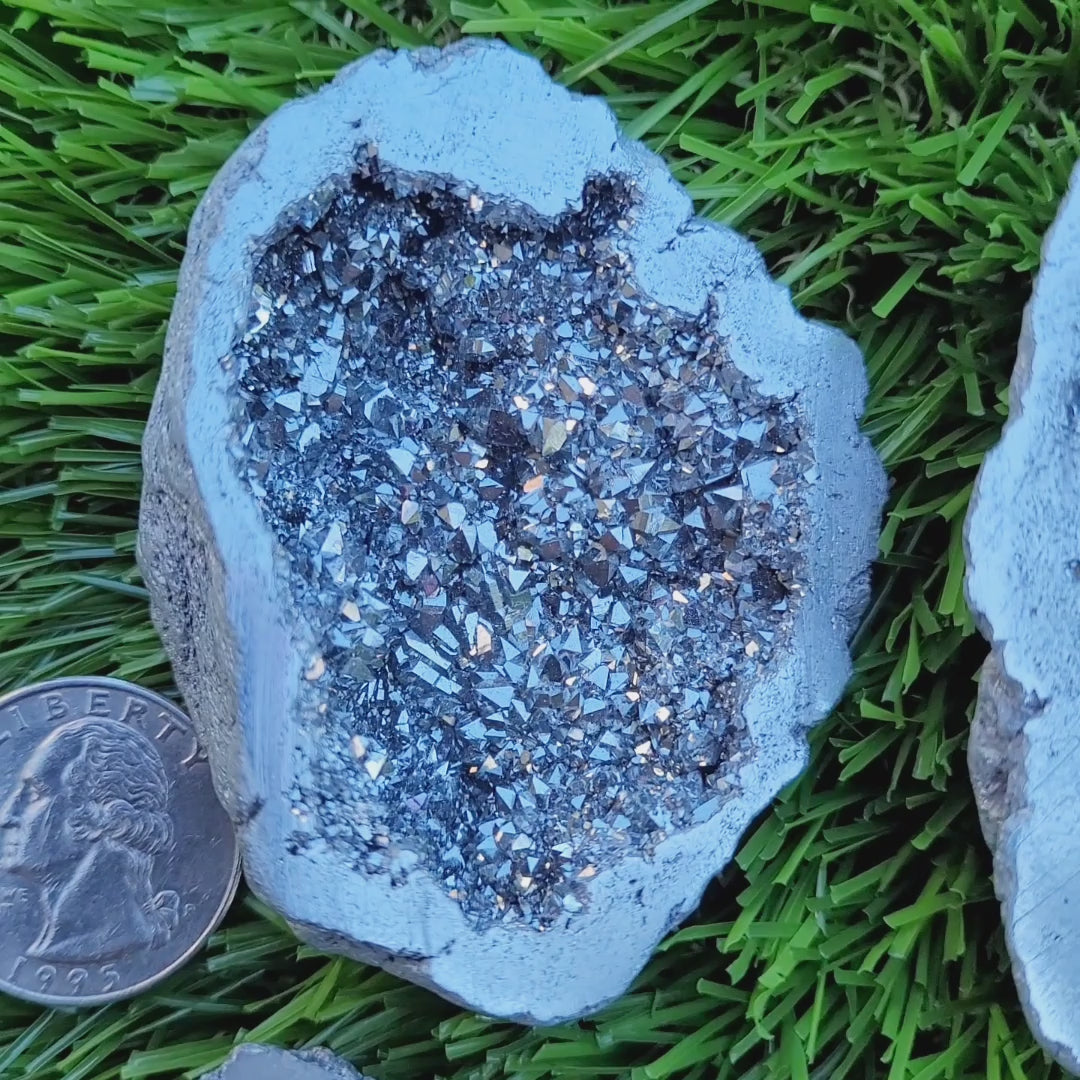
<point x="897" y="161"/>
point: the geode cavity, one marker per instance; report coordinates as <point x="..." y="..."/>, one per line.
<point x="1023" y="584"/>
<point x="504" y="523"/>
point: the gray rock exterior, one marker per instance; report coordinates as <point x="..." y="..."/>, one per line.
<point x="1023" y="584"/>
<point x="241" y="646"/>
<point x="253" y="1062"/>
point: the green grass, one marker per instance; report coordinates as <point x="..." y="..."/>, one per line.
<point x="897" y="161"/>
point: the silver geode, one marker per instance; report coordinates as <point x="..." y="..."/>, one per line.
<point x="1023" y="584"/>
<point x="504" y="523"/>
<point x="254" y="1062"/>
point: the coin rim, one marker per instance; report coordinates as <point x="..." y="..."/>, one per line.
<point x="58" y="1000"/>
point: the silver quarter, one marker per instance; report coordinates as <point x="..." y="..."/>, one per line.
<point x="116" y="859"/>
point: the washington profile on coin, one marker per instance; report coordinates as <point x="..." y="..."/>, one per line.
<point x="116" y="860"/>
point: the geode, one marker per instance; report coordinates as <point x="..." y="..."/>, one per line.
<point x="504" y="524"/>
<point x="255" y="1062"/>
<point x="1023" y="584"/>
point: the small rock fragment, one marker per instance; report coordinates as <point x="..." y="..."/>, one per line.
<point x="254" y="1062"/>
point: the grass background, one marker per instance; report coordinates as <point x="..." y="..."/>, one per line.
<point x="897" y="161"/>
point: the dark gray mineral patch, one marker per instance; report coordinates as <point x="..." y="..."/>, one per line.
<point x="504" y="523"/>
<point x="253" y="1062"/>
<point x="1023" y="584"/>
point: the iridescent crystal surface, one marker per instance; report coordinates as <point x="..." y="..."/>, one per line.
<point x="550" y="530"/>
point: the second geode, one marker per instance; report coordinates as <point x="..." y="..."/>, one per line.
<point x="1023" y="585"/>
<point x="504" y="524"/>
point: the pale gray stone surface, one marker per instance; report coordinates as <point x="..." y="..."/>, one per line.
<point x="493" y="120"/>
<point x="253" y="1062"/>
<point x="1023" y="548"/>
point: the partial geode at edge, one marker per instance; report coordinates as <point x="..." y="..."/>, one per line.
<point x="254" y="1062"/>
<point x="1023" y="584"/>
<point x="484" y="481"/>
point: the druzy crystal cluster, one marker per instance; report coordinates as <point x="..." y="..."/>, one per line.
<point x="551" y="528"/>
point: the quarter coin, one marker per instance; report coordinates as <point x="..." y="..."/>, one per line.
<point x="116" y="859"/>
